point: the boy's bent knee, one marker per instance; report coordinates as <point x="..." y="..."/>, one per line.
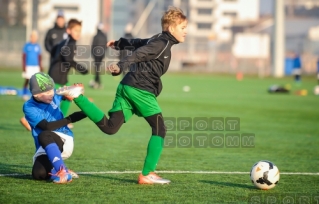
<point x="157" y="123"/>
<point x="41" y="168"/>
<point x="45" y="138"/>
<point x="40" y="174"/>
<point x="48" y="137"/>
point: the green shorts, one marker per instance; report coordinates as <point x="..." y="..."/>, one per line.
<point x="134" y="101"/>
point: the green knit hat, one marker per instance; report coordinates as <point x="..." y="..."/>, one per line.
<point x="40" y="82"/>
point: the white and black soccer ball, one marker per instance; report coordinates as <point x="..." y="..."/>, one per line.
<point x="264" y="175"/>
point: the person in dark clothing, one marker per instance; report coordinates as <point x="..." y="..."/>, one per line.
<point x="98" y="53"/>
<point x="56" y="34"/>
<point x="63" y="60"/>
<point x="137" y="92"/>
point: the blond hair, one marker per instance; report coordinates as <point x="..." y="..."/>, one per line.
<point x="172" y="16"/>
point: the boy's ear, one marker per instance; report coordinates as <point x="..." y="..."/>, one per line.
<point x="68" y="31"/>
<point x="171" y="29"/>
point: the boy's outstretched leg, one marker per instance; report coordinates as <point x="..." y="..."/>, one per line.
<point x="154" y="150"/>
<point x="109" y="126"/>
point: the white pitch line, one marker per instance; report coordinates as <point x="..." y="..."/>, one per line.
<point x="172" y="172"/>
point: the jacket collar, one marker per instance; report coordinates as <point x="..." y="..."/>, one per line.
<point x="60" y="28"/>
<point x="170" y="37"/>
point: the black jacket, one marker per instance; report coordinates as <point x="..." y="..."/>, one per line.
<point x="124" y="53"/>
<point x="148" y="62"/>
<point x="54" y="36"/>
<point x="63" y="60"/>
<point x="99" y="42"/>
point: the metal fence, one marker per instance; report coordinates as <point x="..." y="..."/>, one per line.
<point x="12" y="39"/>
<point x="195" y="55"/>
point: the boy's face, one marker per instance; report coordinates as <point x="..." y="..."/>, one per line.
<point x="33" y="38"/>
<point x="75" y="32"/>
<point x="179" y="31"/>
<point x="45" y="97"/>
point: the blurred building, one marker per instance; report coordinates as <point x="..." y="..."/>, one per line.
<point x="136" y="12"/>
<point x="217" y="17"/>
<point x="119" y="16"/>
<point x="223" y="35"/>
<point x="88" y="12"/>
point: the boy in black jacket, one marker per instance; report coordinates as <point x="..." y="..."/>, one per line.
<point x="63" y="60"/>
<point x="137" y="92"/>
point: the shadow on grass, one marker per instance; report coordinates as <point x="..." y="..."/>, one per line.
<point x="114" y="178"/>
<point x="12" y="127"/>
<point x="15" y="171"/>
<point x="228" y="184"/>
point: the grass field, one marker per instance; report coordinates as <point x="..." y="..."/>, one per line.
<point x="286" y="132"/>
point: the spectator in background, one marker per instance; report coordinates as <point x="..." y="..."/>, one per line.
<point x="31" y="60"/>
<point x="31" y="64"/>
<point x="297" y="68"/>
<point x="128" y="31"/>
<point x="56" y="34"/>
<point x="98" y="53"/>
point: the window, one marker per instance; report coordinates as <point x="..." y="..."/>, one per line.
<point x="229" y="13"/>
<point x="204" y="11"/>
<point x="66" y="8"/>
<point x="204" y="26"/>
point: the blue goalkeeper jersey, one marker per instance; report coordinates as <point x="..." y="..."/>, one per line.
<point x="35" y="112"/>
<point x="32" y="52"/>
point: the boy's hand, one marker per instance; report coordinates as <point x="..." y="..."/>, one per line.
<point x="113" y="69"/>
<point x="111" y="44"/>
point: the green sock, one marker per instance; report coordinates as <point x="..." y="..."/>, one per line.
<point x="64" y="106"/>
<point x="89" y="108"/>
<point x="154" y="150"/>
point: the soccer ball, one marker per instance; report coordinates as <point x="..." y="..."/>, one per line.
<point x="186" y="88"/>
<point x="264" y="175"/>
<point x="316" y="90"/>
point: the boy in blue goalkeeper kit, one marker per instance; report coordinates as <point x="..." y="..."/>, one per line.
<point x="31" y="61"/>
<point x="137" y="92"/>
<point x="31" y="64"/>
<point x="52" y="138"/>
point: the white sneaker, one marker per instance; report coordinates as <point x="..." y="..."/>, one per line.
<point x="71" y="92"/>
<point x="152" y="178"/>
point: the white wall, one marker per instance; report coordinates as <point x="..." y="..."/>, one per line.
<point x="248" y="10"/>
<point x="88" y="13"/>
